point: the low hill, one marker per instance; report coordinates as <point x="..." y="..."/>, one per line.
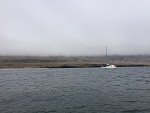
<point x="71" y="62"/>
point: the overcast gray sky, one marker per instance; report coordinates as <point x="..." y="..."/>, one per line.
<point x="74" y="27"/>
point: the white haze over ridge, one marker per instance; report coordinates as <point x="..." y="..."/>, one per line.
<point x="74" y="27"/>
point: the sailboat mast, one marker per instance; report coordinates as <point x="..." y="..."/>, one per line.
<point x="106" y="51"/>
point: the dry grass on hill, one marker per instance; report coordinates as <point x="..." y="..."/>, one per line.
<point x="64" y="62"/>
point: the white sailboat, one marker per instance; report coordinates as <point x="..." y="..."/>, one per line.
<point x="109" y="66"/>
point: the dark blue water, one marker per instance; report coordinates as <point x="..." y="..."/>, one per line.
<point x="75" y="90"/>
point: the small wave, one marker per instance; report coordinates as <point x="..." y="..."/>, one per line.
<point x="78" y="107"/>
<point x="136" y="111"/>
<point x="130" y="101"/>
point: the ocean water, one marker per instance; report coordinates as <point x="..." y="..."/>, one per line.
<point x="75" y="90"/>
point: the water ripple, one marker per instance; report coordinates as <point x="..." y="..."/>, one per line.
<point x="75" y="90"/>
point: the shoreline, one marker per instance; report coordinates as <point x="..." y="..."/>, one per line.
<point x="13" y="62"/>
<point x="64" y="67"/>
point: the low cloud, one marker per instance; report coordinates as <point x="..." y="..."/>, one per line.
<point x="75" y="28"/>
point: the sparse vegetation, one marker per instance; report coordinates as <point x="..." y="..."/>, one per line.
<point x="71" y="62"/>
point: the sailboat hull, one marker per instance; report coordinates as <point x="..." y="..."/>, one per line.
<point x="109" y="67"/>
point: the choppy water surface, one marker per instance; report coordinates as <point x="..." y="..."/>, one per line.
<point x="75" y="90"/>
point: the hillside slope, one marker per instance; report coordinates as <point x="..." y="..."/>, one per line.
<point x="64" y="62"/>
